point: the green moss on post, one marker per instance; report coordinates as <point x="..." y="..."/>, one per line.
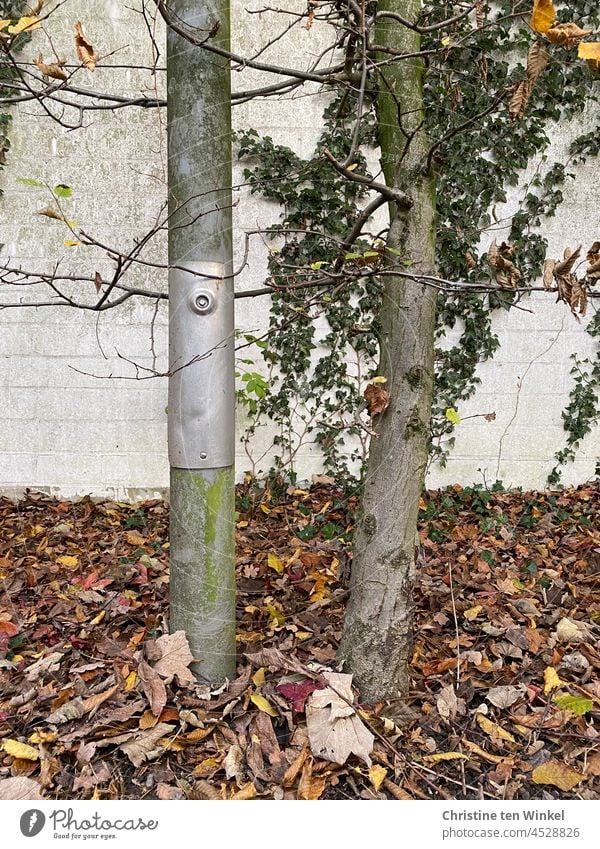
<point x="202" y="567"/>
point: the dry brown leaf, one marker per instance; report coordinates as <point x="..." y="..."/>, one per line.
<point x="477" y="750"/>
<point x="54" y="70"/>
<point x="506" y="273"/>
<point x="334" y="729"/>
<point x="153" y="687"/>
<point x="561" y="269"/>
<point x="292" y="771"/>
<point x="91" y="704"/>
<point x="248" y="791"/>
<point x="566" y="35"/>
<point x="377" y="398"/>
<point x="70" y="710"/>
<point x="445" y="756"/>
<point x="311" y="786"/>
<point x="49" y="212"/>
<point x="19" y="788"/>
<point x="503" y="697"/>
<point x="548" y="273"/>
<point x="49" y="663"/>
<point x="233" y="762"/>
<point x="537" y="59"/>
<point x="559" y="774"/>
<point x="144" y="746"/>
<point x="175" y="658"/>
<point x="493" y="729"/>
<point x="84" y="49"/>
<point x="543" y="16"/>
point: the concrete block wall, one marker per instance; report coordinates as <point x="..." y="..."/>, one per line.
<point x="74" y="418"/>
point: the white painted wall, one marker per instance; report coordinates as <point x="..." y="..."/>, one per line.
<point x="71" y="433"/>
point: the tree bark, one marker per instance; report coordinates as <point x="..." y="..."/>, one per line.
<point x="377" y="636"/>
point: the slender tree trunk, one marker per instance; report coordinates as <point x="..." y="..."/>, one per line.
<point x="377" y="638"/>
<point x="201" y="357"/>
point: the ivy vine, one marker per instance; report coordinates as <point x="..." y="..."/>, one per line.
<point x="309" y="360"/>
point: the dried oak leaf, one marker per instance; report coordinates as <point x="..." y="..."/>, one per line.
<point x="566" y="35"/>
<point x="377" y="398"/>
<point x="153" y="687"/>
<point x="335" y="730"/>
<point x="145" y="745"/>
<point x="175" y="658"/>
<point x="19" y="788"/>
<point x="84" y="49"/>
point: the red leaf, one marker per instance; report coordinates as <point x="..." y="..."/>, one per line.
<point x="298" y="693"/>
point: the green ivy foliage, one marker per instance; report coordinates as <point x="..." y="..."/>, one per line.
<point x="474" y="168"/>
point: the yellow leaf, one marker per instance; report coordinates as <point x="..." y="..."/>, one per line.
<point x="379" y="379"/>
<point x="69" y="561"/>
<point x="206" y="767"/>
<point x="543" y="16"/>
<point x="453" y="416"/>
<point x="273" y="562"/>
<point x="259" y="677"/>
<point x="352" y="167"/>
<point x="559" y="774"/>
<point x="97" y="619"/>
<point x="493" y="729"/>
<point x="302" y="635"/>
<point x="248" y="791"/>
<point x="43" y="736"/>
<point x="130" y="681"/>
<point x="551" y="680"/>
<point x="473" y="612"/>
<point x="71" y="243"/>
<point x="4" y="24"/>
<point x="20" y="750"/>
<point x="25" y="24"/>
<point x="589" y="50"/>
<point x="263" y="704"/>
<point x="265" y="509"/>
<point x="377" y="775"/>
<point x="445" y="756"/>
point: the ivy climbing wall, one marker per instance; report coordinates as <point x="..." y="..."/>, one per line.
<point x="81" y="413"/>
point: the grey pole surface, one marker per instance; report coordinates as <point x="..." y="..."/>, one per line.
<point x="201" y="341"/>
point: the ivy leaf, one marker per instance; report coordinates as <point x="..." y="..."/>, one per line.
<point x="63" y="191"/>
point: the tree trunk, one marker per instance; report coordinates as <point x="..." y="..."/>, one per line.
<point x="377" y="637"/>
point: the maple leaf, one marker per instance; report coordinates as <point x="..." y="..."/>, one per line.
<point x="175" y="658"/>
<point x="297" y="692"/>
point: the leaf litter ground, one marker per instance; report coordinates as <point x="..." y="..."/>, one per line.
<point x="96" y="699"/>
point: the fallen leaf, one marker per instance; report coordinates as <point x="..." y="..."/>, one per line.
<point x="569" y="631"/>
<point x="557" y="773"/>
<point x="19" y="788"/>
<point x="334" y="729"/>
<point x="576" y="704"/>
<point x="298" y="692"/>
<point x="311" y="786"/>
<point x="445" y="756"/>
<point x="153" y="687"/>
<point x="20" y="750"/>
<point x="144" y="746"/>
<point x="493" y="729"/>
<point x="503" y="697"/>
<point x="551" y="680"/>
<point x="248" y="791"/>
<point x="175" y="658"/>
<point x="377" y="775"/>
<point x="263" y="704"/>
